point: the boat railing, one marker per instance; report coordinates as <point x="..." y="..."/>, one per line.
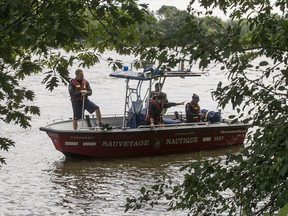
<point x="55" y="120"/>
<point x="89" y="128"/>
<point x="180" y="124"/>
<point x="111" y="115"/>
<point x="96" y="128"/>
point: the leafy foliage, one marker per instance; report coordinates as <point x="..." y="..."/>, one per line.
<point x="5" y="144"/>
<point x="253" y="182"/>
<point x="33" y="32"/>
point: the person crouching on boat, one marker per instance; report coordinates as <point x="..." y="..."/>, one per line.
<point x="156" y="105"/>
<point x="193" y="111"/>
<point x="79" y="90"/>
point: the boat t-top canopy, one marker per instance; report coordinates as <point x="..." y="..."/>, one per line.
<point x="135" y="103"/>
<point x="150" y="75"/>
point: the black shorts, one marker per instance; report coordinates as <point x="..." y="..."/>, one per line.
<point x="77" y="108"/>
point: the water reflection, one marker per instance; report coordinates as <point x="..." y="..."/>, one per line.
<point x="101" y="186"/>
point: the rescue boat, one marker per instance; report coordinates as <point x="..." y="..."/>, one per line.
<point x="128" y="136"/>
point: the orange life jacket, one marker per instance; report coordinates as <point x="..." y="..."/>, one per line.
<point x="78" y="87"/>
<point x="157" y="114"/>
<point x="192" y="112"/>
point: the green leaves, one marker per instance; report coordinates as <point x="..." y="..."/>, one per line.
<point x="88" y="59"/>
<point x="5" y="144"/>
<point x="252" y="48"/>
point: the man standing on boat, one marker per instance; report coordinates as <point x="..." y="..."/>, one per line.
<point x="79" y="90"/>
<point x="193" y="111"/>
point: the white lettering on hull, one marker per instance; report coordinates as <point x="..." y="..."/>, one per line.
<point x="81" y="137"/>
<point x="218" y="138"/>
<point x="188" y="140"/>
<point x="157" y="143"/>
<point x="125" y="143"/>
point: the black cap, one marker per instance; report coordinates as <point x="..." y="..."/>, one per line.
<point x="195" y="96"/>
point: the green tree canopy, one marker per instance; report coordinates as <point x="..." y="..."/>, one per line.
<point x="256" y="178"/>
<point x="171" y="20"/>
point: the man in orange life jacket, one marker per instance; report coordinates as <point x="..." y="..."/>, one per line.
<point x="156" y="106"/>
<point x="193" y="111"/>
<point x="79" y="88"/>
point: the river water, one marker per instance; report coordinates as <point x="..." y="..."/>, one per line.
<point x="38" y="180"/>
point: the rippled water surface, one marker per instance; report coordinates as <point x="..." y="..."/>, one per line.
<point x="38" y="180"/>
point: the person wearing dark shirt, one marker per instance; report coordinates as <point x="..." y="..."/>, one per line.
<point x="156" y="106"/>
<point x="193" y="111"/>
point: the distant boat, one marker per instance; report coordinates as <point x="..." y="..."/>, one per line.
<point x="128" y="136"/>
